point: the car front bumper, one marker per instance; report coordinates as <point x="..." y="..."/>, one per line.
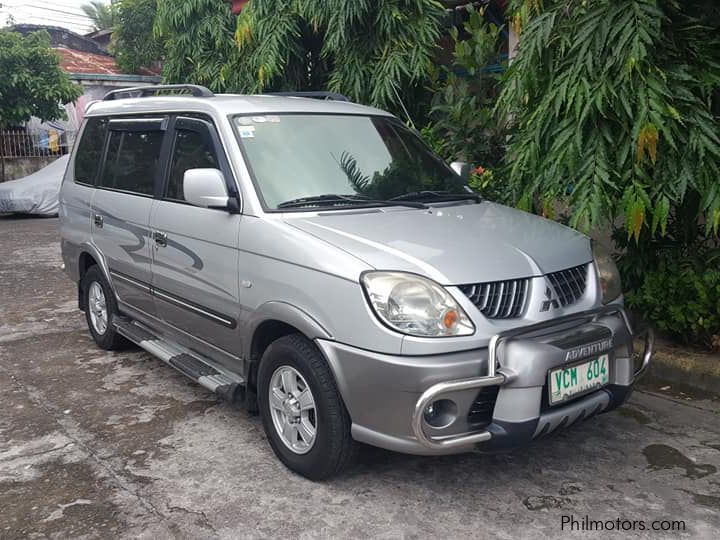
<point x="500" y="392"/>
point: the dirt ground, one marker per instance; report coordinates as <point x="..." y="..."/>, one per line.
<point x="101" y="445"/>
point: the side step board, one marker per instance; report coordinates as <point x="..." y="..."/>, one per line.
<point x="202" y="370"/>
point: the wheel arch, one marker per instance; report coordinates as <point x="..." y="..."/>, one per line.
<point x="270" y="322"/>
<point x="89" y="257"/>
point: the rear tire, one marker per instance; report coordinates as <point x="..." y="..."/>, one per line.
<point x="100" y="310"/>
<point x="291" y="368"/>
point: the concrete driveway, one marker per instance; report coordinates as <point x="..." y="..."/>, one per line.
<point x="102" y="445"/>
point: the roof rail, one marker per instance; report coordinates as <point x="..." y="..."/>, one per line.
<point x="145" y="91"/>
<point x="330" y="96"/>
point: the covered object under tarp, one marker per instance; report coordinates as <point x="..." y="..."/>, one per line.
<point x="34" y="194"/>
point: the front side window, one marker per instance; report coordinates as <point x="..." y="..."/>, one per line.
<point x="89" y="152"/>
<point x="191" y="151"/>
<point x="299" y="156"/>
<point x="132" y="161"/>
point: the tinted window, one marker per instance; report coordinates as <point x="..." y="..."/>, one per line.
<point x="191" y="151"/>
<point x="132" y="161"/>
<point x="89" y="152"/>
<point x="294" y="156"/>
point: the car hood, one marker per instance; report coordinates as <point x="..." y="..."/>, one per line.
<point x="454" y="245"/>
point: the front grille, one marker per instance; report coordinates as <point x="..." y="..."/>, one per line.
<point x="569" y="285"/>
<point x="481" y="411"/>
<point x="506" y="299"/>
<point x="499" y="299"/>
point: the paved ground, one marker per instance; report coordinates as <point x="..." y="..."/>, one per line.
<point x="103" y="445"/>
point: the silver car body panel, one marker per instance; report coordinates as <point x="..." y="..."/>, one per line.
<point x="124" y="239"/>
<point x="195" y="275"/>
<point x="222" y="275"/>
<point x="467" y="243"/>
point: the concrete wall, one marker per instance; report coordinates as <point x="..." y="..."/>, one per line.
<point x="18" y="167"/>
<point x="96" y="89"/>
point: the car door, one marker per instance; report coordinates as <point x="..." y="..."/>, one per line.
<point x="121" y="209"/>
<point x="195" y="260"/>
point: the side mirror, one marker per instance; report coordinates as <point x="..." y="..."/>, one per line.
<point x="206" y="188"/>
<point x="461" y="168"/>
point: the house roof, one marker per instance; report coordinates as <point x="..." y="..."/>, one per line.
<point x="62" y="37"/>
<point x="85" y="63"/>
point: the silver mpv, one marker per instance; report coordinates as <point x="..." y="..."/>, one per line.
<point x="313" y="259"/>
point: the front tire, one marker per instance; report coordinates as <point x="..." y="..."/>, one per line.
<point x="304" y="417"/>
<point x="100" y="310"/>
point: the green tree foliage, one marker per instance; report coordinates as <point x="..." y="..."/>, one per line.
<point x="101" y="14"/>
<point x="198" y="37"/>
<point x="464" y="127"/>
<point x="134" y="43"/>
<point x="366" y="49"/>
<point x="32" y="83"/>
<point x="369" y="50"/>
<point x="612" y="108"/>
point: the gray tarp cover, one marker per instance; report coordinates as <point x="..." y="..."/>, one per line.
<point x="36" y="193"/>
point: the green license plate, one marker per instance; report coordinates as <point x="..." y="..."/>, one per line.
<point x="568" y="382"/>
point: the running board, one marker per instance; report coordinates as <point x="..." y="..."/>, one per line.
<point x="200" y="369"/>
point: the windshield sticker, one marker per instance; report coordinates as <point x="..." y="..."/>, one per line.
<point x="247" y="132"/>
<point x="259" y="119"/>
<point x="273" y="119"/>
<point x="244" y="120"/>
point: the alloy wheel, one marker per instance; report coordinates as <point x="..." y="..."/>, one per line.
<point x="293" y="410"/>
<point x="98" y="308"/>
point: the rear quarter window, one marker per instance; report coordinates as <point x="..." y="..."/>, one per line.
<point x="90" y="149"/>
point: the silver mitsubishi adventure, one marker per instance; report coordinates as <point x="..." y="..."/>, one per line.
<point x="313" y="259"/>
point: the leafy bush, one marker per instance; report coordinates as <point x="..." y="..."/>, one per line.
<point x="684" y="238"/>
<point x="463" y="127"/>
<point x="198" y="45"/>
<point x="672" y="280"/>
<point x="612" y="110"/>
<point x="373" y="51"/>
<point x="133" y="42"/>
<point x="682" y="297"/>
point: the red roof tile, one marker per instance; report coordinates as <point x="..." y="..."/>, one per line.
<point x="73" y="61"/>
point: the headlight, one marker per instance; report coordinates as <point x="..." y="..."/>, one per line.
<point x="415" y="305"/>
<point x="608" y="273"/>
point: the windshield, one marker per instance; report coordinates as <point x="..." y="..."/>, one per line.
<point x="342" y="159"/>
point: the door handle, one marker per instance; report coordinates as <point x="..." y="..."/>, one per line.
<point x="98" y="220"/>
<point x="160" y="238"/>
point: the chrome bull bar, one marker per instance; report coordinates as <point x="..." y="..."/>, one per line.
<point x="495" y="378"/>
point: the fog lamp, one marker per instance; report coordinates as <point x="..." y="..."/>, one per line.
<point x="441" y="413"/>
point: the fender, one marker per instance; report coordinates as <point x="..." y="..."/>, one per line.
<point x="286" y="313"/>
<point x="90" y="249"/>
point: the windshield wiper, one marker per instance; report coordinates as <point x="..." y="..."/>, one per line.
<point x="439" y="196"/>
<point x="332" y="199"/>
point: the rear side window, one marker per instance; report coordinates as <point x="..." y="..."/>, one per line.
<point x="89" y="152"/>
<point x="132" y="161"/>
<point x="191" y="151"/>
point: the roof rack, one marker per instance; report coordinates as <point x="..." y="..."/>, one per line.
<point x="145" y="91"/>
<point x="330" y="96"/>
